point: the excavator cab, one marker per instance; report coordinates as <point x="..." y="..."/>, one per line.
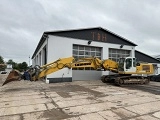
<point x="127" y="65"/>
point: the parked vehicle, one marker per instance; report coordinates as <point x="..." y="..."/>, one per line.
<point x="156" y="78"/>
<point x="3" y="72"/>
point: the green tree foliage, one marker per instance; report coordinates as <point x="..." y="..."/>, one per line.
<point x="19" y="66"/>
<point x="22" y="66"/>
<point x="1" y="60"/>
<point x="2" y="64"/>
<point x="10" y="61"/>
<point x="14" y="65"/>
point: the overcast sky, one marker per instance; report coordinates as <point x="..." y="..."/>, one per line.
<point x="22" y="22"/>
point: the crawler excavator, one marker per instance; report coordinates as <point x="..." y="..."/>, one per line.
<point x="127" y="70"/>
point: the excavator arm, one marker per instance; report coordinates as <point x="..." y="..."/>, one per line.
<point x="38" y="72"/>
<point x="52" y="67"/>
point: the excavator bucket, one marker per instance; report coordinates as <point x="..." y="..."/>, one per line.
<point x="14" y="75"/>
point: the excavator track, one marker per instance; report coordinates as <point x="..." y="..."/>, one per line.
<point x="125" y="80"/>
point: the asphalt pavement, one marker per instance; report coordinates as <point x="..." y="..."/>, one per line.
<point x="78" y="100"/>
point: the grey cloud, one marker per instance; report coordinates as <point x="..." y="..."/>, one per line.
<point x="22" y="22"/>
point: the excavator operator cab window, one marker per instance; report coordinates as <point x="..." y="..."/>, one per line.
<point x="128" y="63"/>
<point x="134" y="62"/>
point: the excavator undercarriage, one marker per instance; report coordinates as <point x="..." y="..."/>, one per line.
<point x="125" y="79"/>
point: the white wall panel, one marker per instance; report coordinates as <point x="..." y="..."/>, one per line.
<point x="61" y="47"/>
<point x="34" y="60"/>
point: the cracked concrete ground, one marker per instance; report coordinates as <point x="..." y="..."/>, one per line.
<point x="78" y="100"/>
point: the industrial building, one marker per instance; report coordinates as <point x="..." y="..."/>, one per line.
<point x="80" y="43"/>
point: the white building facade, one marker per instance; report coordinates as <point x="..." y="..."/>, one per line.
<point x="80" y="43"/>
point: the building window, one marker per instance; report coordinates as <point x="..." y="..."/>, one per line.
<point x="80" y="51"/>
<point x="37" y="60"/>
<point x="115" y="54"/>
<point x="40" y="59"/>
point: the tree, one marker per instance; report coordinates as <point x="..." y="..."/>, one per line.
<point x="2" y="64"/>
<point x="19" y="66"/>
<point x="22" y="66"/>
<point x="1" y="60"/>
<point x="14" y="65"/>
<point x="10" y="61"/>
